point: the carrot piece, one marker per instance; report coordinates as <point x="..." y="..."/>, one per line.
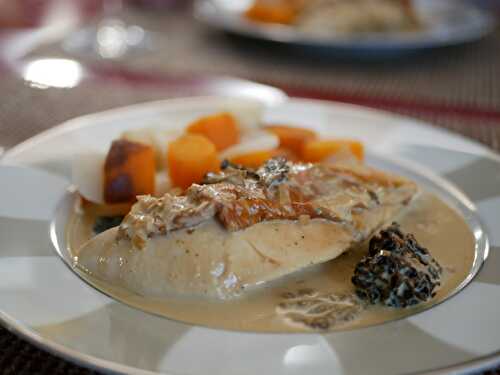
<point x="282" y="12"/>
<point x="129" y="170"/>
<point x="189" y="158"/>
<point x="291" y="137"/>
<point x="254" y="159"/>
<point x="221" y="129"/>
<point x="318" y="150"/>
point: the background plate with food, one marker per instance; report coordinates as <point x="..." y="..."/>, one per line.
<point x="361" y="28"/>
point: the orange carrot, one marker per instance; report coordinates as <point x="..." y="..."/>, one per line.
<point x="277" y="11"/>
<point x="291" y="137"/>
<point x="315" y="151"/>
<point x="189" y="158"/>
<point x="221" y="129"/>
<point x="254" y="159"/>
<point x="129" y="170"/>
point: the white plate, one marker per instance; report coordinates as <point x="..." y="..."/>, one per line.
<point x="44" y="301"/>
<point x="448" y="22"/>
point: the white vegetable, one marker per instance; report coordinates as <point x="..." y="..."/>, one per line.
<point x="257" y="140"/>
<point x="162" y="184"/>
<point x="247" y="113"/>
<point x="88" y="175"/>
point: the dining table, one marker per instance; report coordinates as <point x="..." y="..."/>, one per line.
<point x="456" y="88"/>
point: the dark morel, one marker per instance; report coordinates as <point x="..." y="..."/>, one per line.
<point x="104" y="223"/>
<point x="397" y="271"/>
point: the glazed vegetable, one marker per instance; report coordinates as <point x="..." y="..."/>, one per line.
<point x="129" y="170"/>
<point x="254" y="159"/>
<point x="156" y="138"/>
<point x="277" y="11"/>
<point x="189" y="158"/>
<point x="247" y="112"/>
<point x="291" y="137"/>
<point x="221" y="129"/>
<point x="318" y="150"/>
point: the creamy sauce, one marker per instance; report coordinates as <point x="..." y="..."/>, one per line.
<point x="435" y="225"/>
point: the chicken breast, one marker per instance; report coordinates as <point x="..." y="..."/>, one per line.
<point x="244" y="228"/>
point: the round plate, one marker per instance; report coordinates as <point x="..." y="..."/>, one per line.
<point x="44" y="301"/>
<point x="448" y="22"/>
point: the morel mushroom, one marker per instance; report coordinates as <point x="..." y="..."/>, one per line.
<point x="397" y="271"/>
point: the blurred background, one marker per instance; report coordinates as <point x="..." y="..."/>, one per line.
<point x="436" y="60"/>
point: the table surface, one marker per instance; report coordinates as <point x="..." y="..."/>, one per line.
<point x="456" y="88"/>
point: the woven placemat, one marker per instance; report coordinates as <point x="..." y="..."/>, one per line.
<point x="26" y="111"/>
<point x="462" y="76"/>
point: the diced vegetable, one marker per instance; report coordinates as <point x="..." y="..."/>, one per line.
<point x="156" y="138"/>
<point x="252" y="141"/>
<point x="129" y="170"/>
<point x="291" y="137"/>
<point x="318" y="150"/>
<point x="221" y="129"/>
<point x="254" y="159"/>
<point x="248" y="113"/>
<point x="277" y="11"/>
<point x="163" y="183"/>
<point x="86" y="174"/>
<point x="189" y="158"/>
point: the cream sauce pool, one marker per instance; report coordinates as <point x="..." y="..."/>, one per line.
<point x="435" y="225"/>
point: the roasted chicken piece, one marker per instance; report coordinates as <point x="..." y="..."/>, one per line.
<point x="242" y="227"/>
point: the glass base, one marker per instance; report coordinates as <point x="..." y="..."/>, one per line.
<point x="110" y="39"/>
